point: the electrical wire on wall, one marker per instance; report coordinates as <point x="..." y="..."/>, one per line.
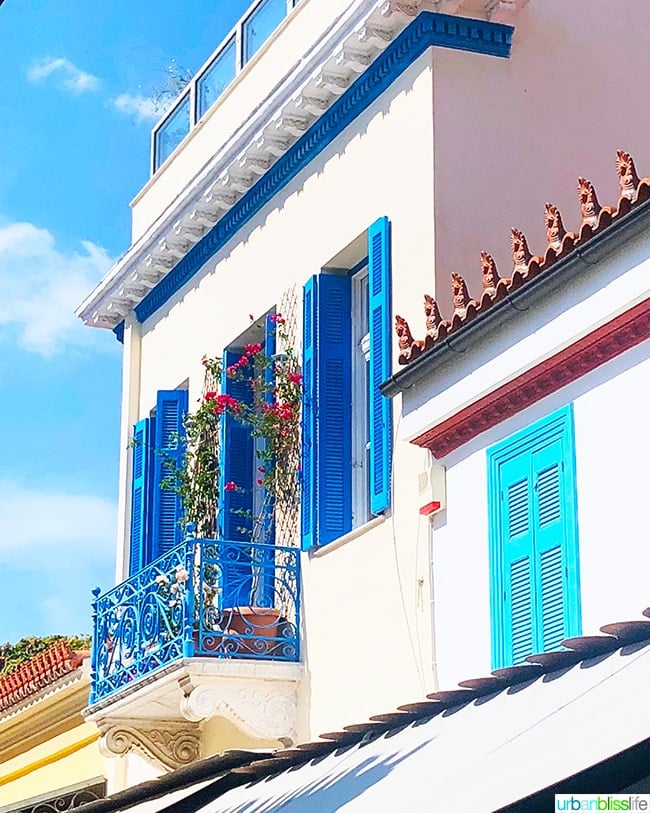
<point x="414" y="644"/>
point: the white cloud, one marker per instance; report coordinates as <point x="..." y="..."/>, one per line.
<point x="40" y="286"/>
<point x="142" y="108"/>
<point x="71" y="77"/>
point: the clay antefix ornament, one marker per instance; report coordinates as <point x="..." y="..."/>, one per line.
<point x="490" y="274"/>
<point x="555" y="231"/>
<point x="628" y="178"/>
<point x="590" y="208"/>
<point x="433" y="319"/>
<point x="461" y="295"/>
<point x="409" y="348"/>
<point x="521" y="255"/>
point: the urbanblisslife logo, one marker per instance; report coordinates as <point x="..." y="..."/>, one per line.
<point x="603" y="801"/>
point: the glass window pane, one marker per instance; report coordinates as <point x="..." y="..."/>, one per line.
<point x="261" y="24"/>
<point x="172" y="132"/>
<point x="216" y="78"/>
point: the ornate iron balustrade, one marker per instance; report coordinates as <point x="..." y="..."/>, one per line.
<point x="205" y="597"/>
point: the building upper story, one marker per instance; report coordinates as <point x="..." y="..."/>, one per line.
<point x="364" y="151"/>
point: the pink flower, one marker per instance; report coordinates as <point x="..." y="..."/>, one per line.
<point x="231" y="486"/>
<point x="210" y="396"/>
<point x="295" y="378"/>
<point x="259" y="482"/>
<point x="181" y="575"/>
<point x="251" y="317"/>
<point x="253" y="349"/>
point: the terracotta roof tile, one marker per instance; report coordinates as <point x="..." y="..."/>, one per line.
<point x="38" y="673"/>
<point x="526" y="266"/>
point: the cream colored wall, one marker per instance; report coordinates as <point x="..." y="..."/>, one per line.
<point x="513" y="134"/>
<point x="365" y="603"/>
<point x="280" y="55"/>
<point x="63" y="761"/>
<point x="219" y="734"/>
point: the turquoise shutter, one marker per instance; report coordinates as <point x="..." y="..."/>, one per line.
<point x="238" y="457"/>
<point x="171" y="406"/>
<point x="534" y="540"/>
<point x="140" y="495"/>
<point x="550" y="533"/>
<point x="333" y="399"/>
<point x="517" y="550"/>
<point x="309" y="458"/>
<point x="379" y="316"/>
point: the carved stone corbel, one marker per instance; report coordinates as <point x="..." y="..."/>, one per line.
<point x="268" y="714"/>
<point x="166" y="744"/>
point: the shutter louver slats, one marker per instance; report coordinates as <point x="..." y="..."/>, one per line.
<point x="522" y="629"/>
<point x="379" y="273"/>
<point x="309" y="480"/>
<point x="548" y="494"/>
<point x="333" y="440"/>
<point x="140" y="494"/>
<point x="516" y="525"/>
<point x="553" y="632"/>
<point x="518" y="509"/>
<point x="171" y="406"/>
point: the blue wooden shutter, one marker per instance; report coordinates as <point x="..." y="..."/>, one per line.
<point x="333" y="400"/>
<point x="140" y="495"/>
<point x="379" y="316"/>
<point x="238" y="457"/>
<point x="171" y="406"/>
<point x="309" y="457"/>
<point x="516" y="531"/>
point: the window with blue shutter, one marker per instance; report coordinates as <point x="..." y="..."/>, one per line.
<point x="535" y="591"/>
<point x="141" y="493"/>
<point x="171" y="407"/>
<point x="347" y="426"/>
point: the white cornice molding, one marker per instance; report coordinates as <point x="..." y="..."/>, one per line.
<point x="340" y="55"/>
<point x="283" y="118"/>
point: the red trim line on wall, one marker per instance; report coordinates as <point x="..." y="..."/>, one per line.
<point x="580" y="358"/>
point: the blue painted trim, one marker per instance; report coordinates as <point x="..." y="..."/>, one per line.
<point x="558" y="425"/>
<point x="428" y="29"/>
<point x="118" y="330"/>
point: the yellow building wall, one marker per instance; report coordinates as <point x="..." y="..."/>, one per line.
<point x="67" y="759"/>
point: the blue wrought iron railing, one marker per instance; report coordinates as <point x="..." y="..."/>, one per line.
<point x="241" y="44"/>
<point x="205" y="597"/>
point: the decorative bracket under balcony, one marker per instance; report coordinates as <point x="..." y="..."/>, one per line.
<point x="267" y="712"/>
<point x="168" y="744"/>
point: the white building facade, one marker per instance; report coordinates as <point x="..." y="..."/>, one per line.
<point x="339" y="166"/>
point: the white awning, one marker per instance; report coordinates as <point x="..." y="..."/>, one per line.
<point x="481" y="756"/>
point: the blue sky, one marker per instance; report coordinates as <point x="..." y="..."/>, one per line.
<point x="75" y="121"/>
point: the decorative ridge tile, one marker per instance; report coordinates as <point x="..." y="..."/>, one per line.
<point x="39" y="672"/>
<point x="526" y="266"/>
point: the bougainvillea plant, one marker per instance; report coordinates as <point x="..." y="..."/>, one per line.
<point x="272" y="414"/>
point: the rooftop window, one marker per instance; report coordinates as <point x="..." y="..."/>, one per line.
<point x="202" y="92"/>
